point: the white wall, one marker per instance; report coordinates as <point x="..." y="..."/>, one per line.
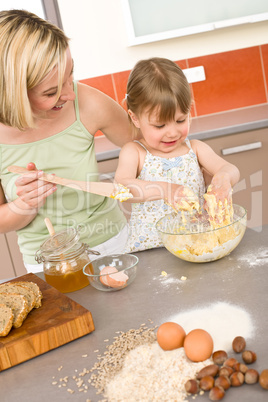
<point x="99" y="40"/>
<point x="34" y="6"/>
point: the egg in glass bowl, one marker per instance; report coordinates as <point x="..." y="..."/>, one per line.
<point x="112" y="272"/>
<point x="191" y="237"/>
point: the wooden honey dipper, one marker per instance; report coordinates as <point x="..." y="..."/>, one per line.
<point x="65" y="264"/>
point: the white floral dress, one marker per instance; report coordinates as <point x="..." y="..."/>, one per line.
<point x="183" y="170"/>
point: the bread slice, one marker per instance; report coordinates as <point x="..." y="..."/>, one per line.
<point x="12" y="287"/>
<point x="6" y="319"/>
<point x="34" y="288"/>
<point x="18" y="305"/>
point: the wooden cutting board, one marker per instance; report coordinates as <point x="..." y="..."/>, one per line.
<point x="58" y="321"/>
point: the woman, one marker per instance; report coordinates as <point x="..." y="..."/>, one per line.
<point x="49" y="120"/>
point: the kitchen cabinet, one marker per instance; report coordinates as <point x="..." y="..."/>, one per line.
<point x="107" y="169"/>
<point x="7" y="268"/>
<point x="11" y="258"/>
<point x="168" y="24"/>
<point x="248" y="151"/>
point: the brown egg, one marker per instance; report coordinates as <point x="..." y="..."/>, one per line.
<point x="198" y="345"/>
<point x="170" y="336"/>
<point x="116" y="280"/>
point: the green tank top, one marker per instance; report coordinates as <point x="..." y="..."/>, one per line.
<point x="69" y="154"/>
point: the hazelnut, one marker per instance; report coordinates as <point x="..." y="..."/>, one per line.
<point x="237" y="379"/>
<point x="192" y="386"/>
<point x="211" y="369"/>
<point x="216" y="393"/>
<point x="249" y="357"/>
<point x="263" y="379"/>
<point x="230" y="362"/>
<point x="251" y="376"/>
<point x="219" y="357"/>
<point x="226" y="371"/>
<point x="243" y="368"/>
<point x="239" y="344"/>
<point x="236" y="366"/>
<point x="240" y="367"/>
<point x="223" y="381"/>
<point x="206" y="383"/>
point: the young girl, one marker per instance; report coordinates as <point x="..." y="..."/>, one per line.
<point x="164" y="164"/>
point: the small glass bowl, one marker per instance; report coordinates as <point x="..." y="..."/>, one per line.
<point x="125" y="263"/>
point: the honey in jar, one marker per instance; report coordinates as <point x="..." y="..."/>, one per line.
<point x="64" y="258"/>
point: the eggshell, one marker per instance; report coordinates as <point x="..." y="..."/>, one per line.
<point x="116" y="280"/>
<point x="198" y="345"/>
<point x="105" y="271"/>
<point x="170" y="335"/>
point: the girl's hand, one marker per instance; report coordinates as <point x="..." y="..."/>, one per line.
<point x="183" y="198"/>
<point x="221" y="188"/>
<point x="218" y="201"/>
<point x="32" y="190"/>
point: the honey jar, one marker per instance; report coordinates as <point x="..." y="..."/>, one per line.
<point x="63" y="257"/>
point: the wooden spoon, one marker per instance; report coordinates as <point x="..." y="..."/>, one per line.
<point x="100" y="188"/>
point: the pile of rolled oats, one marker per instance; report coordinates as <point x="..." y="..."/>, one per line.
<point x="108" y="364"/>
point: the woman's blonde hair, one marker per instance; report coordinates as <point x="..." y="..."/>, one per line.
<point x="30" y="48"/>
<point x="158" y="84"/>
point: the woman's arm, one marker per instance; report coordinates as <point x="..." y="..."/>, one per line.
<point x="32" y="194"/>
<point x="224" y="174"/>
<point x="127" y="173"/>
<point x="100" y="112"/>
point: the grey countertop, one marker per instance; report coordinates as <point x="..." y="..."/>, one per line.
<point x="205" y="127"/>
<point x="240" y="279"/>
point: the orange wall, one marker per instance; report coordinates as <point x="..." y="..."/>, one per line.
<point x="234" y="80"/>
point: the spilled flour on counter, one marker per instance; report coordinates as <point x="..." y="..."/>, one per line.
<point x="224" y="321"/>
<point x="169" y="280"/>
<point x="252" y="260"/>
<point x="166" y="280"/>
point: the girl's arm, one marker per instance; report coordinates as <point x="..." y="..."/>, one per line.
<point x="127" y="173"/>
<point x="32" y="194"/>
<point x="224" y="174"/>
<point x="100" y="112"/>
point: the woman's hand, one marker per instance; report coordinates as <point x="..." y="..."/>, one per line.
<point x="32" y="190"/>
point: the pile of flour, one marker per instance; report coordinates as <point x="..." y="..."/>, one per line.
<point x="223" y="321"/>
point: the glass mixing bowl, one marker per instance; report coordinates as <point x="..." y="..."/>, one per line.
<point x="190" y="237"/>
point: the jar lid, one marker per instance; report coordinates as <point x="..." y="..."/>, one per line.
<point x="60" y="242"/>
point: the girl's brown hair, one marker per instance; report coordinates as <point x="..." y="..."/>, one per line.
<point x="30" y="48"/>
<point x="158" y="84"/>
